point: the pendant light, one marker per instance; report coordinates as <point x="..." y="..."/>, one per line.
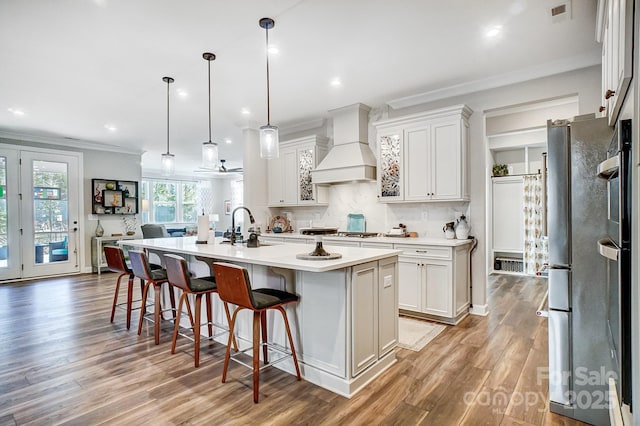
<point x="168" y="164"/>
<point x="269" y="142"/>
<point x="209" y="149"/>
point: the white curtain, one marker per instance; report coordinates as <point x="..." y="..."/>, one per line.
<point x="534" y="251"/>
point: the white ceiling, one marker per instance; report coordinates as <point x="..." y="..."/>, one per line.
<point x="73" y="66"/>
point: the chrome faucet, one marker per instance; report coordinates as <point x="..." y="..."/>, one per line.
<point x="232" y="238"/>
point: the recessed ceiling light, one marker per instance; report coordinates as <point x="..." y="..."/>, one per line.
<point x="245" y="111"/>
<point x="227" y="140"/>
<point x="16" y="111"/>
<point x="273" y="49"/>
<point x="493" y="32"/>
<point x="110" y="127"/>
<point x="182" y="93"/>
<point x="336" y="82"/>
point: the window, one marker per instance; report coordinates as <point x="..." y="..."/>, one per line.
<point x="164" y="202"/>
<point x="189" y="211"/>
<point x="169" y="201"/>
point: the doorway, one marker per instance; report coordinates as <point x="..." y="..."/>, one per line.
<point x="39" y="213"/>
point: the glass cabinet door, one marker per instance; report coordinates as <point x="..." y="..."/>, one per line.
<point x="305" y="165"/>
<point x="389" y="169"/>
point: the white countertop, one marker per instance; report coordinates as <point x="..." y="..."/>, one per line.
<point x="393" y="240"/>
<point x="278" y="255"/>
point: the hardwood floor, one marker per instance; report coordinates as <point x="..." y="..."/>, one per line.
<point x="63" y="362"/>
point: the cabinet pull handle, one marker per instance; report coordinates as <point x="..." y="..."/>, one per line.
<point x="609" y="94"/>
<point x="601" y="108"/>
<point x="421" y="251"/>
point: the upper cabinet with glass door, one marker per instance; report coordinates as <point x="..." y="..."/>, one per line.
<point x="290" y="181"/>
<point x="424" y="157"/>
<point x="114" y="196"/>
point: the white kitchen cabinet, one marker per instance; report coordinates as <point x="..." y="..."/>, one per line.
<point x="615" y="25"/>
<point x="424" y="157"/>
<point x="290" y="175"/>
<point x="387" y="306"/>
<point x="434" y="282"/>
<point x="436" y="298"/>
<point x="374" y="308"/>
<point x="376" y="245"/>
<point x="364" y="288"/>
<point x="410" y="287"/>
<point x="282" y="178"/>
<point x="342" y="243"/>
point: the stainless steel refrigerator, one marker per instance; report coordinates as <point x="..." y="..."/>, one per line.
<point x="579" y="360"/>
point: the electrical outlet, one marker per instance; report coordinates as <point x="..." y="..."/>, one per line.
<point x="388" y="281"/>
<point x="425" y="215"/>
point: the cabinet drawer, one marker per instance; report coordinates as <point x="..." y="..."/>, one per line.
<point x="435" y="252"/>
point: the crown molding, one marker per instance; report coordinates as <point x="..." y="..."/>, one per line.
<point x="545" y="70"/>
<point x="68" y="142"/>
<point x="302" y="126"/>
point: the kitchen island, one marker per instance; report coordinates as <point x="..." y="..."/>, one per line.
<point x="345" y="325"/>
<point x="434" y="273"/>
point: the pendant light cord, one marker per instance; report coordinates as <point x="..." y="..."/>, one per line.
<point x="209" y="76"/>
<point x="168" y="82"/>
<point x="268" y="94"/>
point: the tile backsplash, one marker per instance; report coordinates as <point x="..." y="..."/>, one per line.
<point x="427" y="219"/>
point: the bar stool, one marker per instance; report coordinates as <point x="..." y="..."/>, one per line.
<point x="157" y="278"/>
<point x="179" y="277"/>
<point x="234" y="287"/>
<point x="117" y="263"/>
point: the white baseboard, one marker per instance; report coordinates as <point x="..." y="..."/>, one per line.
<point x="482" y="310"/>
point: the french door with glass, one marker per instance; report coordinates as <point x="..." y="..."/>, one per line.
<point x="39" y="214"/>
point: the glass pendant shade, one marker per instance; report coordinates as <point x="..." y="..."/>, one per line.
<point x="210" y="155"/>
<point x="269" y="142"/>
<point x="168" y="165"/>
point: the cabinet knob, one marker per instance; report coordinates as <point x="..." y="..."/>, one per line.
<point x="601" y="108"/>
<point x="609" y="94"/>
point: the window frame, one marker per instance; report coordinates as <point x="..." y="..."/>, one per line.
<point x="147" y="193"/>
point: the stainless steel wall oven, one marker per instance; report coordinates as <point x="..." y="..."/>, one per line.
<point x="616" y="247"/>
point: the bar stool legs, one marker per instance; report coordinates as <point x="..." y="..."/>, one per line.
<point x="129" y="297"/>
<point x="259" y="325"/>
<point x="157" y="310"/>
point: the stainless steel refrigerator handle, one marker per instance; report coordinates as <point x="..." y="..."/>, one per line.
<point x="540" y="312"/>
<point x="608" y="249"/>
<point x="609" y="167"/>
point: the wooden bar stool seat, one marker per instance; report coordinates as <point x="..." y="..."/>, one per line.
<point x="234" y="287"/>
<point x="179" y="277"/>
<point x="156" y="278"/>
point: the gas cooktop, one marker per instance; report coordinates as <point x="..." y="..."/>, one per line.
<point x="356" y="234"/>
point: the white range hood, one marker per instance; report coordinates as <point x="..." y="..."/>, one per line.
<point x="350" y="158"/>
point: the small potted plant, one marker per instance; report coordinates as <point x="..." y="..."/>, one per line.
<point x="500" y="170"/>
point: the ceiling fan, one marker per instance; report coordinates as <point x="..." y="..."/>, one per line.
<point x="224" y="169"/>
<point x="221" y="170"/>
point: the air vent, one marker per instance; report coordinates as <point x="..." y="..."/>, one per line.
<point x="559" y="10"/>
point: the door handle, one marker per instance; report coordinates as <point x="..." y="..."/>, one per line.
<point x="608" y="249"/>
<point x="540" y="311"/>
